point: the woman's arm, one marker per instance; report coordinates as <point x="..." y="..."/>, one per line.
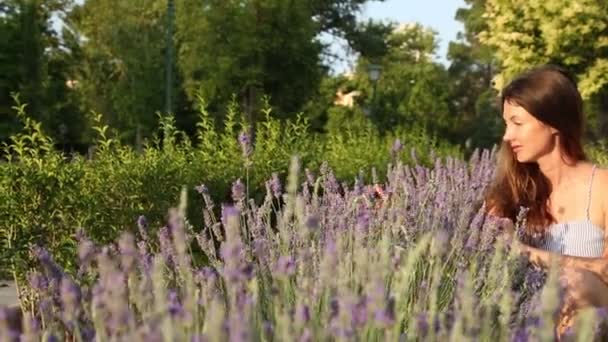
<point x="544" y="258"/>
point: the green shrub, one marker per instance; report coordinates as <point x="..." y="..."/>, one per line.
<point x="45" y="196"/>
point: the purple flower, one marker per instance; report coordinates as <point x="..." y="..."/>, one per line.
<point x="522" y="215"/>
<point x="205" y="243"/>
<point x="145" y="259"/>
<point x="207" y="218"/>
<point x="306" y="195"/>
<point x="363" y="220"/>
<point x="70" y="299"/>
<point x="260" y="246"/>
<point x="46" y="307"/>
<point x="359" y="187"/>
<point x="202" y="189"/>
<point x="97" y="295"/>
<point x="235" y="269"/>
<point x="37" y="281"/>
<point x="396" y="148"/>
<point x="150" y="333"/>
<point x="245" y="141"/>
<point x="489" y="233"/>
<point x="229" y="212"/>
<point x="334" y="308"/>
<point x="303" y="313"/>
<point x="306" y="336"/>
<point x="238" y="191"/>
<point x="115" y="287"/>
<point x="31" y="328"/>
<point x="86" y="251"/>
<point x="386" y="316"/>
<point x="437" y="324"/>
<point x="521" y="335"/>
<point x="359" y="312"/>
<point x="396" y="260"/>
<point x="4" y="322"/>
<point x="238" y="328"/>
<point x="422" y="324"/>
<point x="231" y="250"/>
<point x="166" y="246"/>
<point x="199" y="338"/>
<point x="268" y="329"/>
<point x="52" y="338"/>
<point x="128" y="252"/>
<point x="324" y="168"/>
<point x="80" y="234"/>
<point x="312" y="222"/>
<point x="536" y="278"/>
<point x="174" y="306"/>
<point x="142" y="226"/>
<point x="206" y="274"/>
<point x="52" y="270"/>
<point x="310" y="177"/>
<point x="275" y="185"/>
<point x="478" y="219"/>
<point x="602" y="313"/>
<point x="286" y="265"/>
<point x="331" y="184"/>
<point x="441" y="240"/>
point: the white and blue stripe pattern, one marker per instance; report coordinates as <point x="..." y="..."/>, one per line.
<point x="580" y="238"/>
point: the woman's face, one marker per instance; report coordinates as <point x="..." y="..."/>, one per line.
<point x="528" y="137"/>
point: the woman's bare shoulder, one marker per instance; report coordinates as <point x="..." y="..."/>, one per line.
<point x="600" y="181"/>
<point x="601" y="173"/>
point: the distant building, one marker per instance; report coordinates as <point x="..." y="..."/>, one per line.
<point x="346" y="99"/>
<point x="71" y="84"/>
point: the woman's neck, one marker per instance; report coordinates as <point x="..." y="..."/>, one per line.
<point x="559" y="170"/>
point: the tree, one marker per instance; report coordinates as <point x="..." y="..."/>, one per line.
<point x="247" y="49"/>
<point x="471" y="68"/>
<point x="254" y="47"/>
<point x="121" y="72"/>
<point x="574" y="34"/>
<point x="470" y="72"/>
<point x="35" y="64"/>
<point x="9" y="67"/>
<point x="413" y="89"/>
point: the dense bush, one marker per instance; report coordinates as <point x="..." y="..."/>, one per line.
<point x="46" y="196"/>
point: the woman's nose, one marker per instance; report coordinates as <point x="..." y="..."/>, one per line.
<point x="507" y="137"/>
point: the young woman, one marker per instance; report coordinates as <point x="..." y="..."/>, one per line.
<point x="542" y="166"/>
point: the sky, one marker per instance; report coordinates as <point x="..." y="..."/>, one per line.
<point x="437" y="14"/>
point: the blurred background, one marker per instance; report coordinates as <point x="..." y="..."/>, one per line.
<point x="432" y="65"/>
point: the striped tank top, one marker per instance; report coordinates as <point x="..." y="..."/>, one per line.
<point x="580" y="238"/>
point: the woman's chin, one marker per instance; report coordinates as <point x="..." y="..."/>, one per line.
<point x="525" y="159"/>
<point x="521" y="158"/>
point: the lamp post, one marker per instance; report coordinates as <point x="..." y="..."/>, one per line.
<point x="374" y="71"/>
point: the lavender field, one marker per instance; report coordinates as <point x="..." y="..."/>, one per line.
<point x="316" y="261"/>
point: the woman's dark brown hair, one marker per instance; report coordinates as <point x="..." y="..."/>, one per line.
<point x="550" y="94"/>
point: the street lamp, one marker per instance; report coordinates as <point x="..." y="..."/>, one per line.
<point x="374" y="71"/>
